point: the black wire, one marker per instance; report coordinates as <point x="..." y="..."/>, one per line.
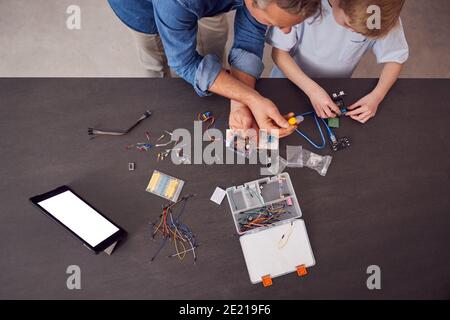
<point x="95" y="132"/>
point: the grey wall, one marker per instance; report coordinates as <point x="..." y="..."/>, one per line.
<point x="34" y="41"/>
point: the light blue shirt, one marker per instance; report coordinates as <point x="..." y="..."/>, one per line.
<point x="325" y="49"/>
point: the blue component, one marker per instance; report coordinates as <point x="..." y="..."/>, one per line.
<point x="207" y="114"/>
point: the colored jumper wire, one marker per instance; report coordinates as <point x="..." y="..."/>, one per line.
<point x="173" y="229"/>
<point x="207" y="117"/>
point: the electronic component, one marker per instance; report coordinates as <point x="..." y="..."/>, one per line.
<point x="241" y="145"/>
<point x="340" y="144"/>
<point x="268" y="140"/>
<point x="165" y="186"/>
<point x="333" y="122"/>
<point x="96" y="132"/>
<point x="207" y="116"/>
<point x="336" y="144"/>
<point x="339" y="100"/>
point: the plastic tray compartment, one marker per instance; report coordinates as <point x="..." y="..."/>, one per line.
<point x="267" y="192"/>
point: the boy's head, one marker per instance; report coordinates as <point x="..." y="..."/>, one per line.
<point x="283" y="13"/>
<point x="357" y="15"/>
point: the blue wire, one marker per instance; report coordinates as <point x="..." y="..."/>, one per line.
<point x="316" y="119"/>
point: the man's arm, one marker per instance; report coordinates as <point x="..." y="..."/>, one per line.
<point x="246" y="66"/>
<point x="177" y="27"/>
<point x="265" y="111"/>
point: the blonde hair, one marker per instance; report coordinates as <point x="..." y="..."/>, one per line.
<point x="357" y="11"/>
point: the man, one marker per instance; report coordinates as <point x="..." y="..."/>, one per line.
<point x="167" y="31"/>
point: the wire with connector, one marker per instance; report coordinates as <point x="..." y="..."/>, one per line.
<point x="336" y="144"/>
<point x="97" y="132"/>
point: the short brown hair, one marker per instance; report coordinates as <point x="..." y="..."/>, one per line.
<point x="304" y="8"/>
<point x="356" y="10"/>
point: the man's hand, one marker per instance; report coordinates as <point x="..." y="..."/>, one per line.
<point x="241" y="117"/>
<point x="268" y="117"/>
<point x="365" y="108"/>
<point x="322" y="103"/>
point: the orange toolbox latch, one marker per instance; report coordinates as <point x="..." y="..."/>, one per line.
<point x="266" y="280"/>
<point x="301" y="270"/>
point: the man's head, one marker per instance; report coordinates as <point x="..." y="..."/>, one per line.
<point x="283" y="13"/>
<point x="355" y="15"/>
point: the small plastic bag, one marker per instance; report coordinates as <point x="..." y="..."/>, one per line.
<point x="277" y="165"/>
<point x="316" y="162"/>
<point x="294" y="158"/>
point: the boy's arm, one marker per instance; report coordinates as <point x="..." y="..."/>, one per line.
<point x="321" y="101"/>
<point x="367" y="107"/>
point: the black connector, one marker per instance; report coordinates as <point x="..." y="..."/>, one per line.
<point x="340" y="144"/>
<point x="339" y="100"/>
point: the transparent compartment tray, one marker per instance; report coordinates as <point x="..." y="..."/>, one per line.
<point x="267" y="193"/>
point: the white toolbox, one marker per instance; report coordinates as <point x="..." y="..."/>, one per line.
<point x="274" y="240"/>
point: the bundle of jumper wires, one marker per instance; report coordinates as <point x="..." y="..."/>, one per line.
<point x="262" y="217"/>
<point x="173" y="230"/>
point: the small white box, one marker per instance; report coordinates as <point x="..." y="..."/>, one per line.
<point x="218" y="195"/>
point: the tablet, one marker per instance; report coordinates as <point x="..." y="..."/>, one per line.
<point x="80" y="218"/>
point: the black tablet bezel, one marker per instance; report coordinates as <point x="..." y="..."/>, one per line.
<point x="120" y="234"/>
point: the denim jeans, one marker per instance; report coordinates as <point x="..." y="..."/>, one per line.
<point x="212" y="37"/>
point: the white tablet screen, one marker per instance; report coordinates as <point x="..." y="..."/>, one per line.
<point x="79" y="217"/>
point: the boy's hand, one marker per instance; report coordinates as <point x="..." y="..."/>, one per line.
<point x="268" y="117"/>
<point x="241" y="117"/>
<point x="322" y="103"/>
<point x="365" y="108"/>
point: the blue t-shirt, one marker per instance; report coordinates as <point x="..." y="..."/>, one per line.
<point x="176" y="23"/>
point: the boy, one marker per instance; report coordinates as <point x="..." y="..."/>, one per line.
<point x="332" y="45"/>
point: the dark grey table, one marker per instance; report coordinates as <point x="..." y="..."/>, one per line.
<point x="385" y="201"/>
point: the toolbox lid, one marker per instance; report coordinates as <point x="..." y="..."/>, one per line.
<point x="277" y="251"/>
